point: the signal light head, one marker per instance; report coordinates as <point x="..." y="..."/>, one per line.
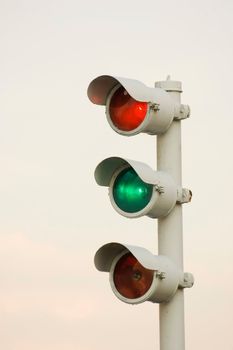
<point x="131" y="106"/>
<point x="136" y="275"/>
<point x="135" y="189"/>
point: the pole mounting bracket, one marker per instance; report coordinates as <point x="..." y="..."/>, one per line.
<point x="187" y="280"/>
<point x="182" y="112"/>
<point x="184" y="195"/>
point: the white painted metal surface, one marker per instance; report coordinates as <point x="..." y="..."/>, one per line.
<point x="170" y="231"/>
<point x="106" y="169"/>
<point x="101" y="86"/>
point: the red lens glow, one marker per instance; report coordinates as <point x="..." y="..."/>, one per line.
<point x="125" y="112"/>
<point x="131" y="279"/>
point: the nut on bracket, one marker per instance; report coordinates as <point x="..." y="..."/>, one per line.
<point x="154" y="106"/>
<point x="161" y="275"/>
<point x="159" y="189"/>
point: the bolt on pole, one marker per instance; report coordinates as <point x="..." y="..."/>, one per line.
<point x="170" y="230"/>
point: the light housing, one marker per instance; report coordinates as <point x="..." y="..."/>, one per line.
<point x="151" y="193"/>
<point x="146" y="277"/>
<point x="157" y="107"/>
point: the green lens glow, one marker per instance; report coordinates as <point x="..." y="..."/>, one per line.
<point x="130" y="193"/>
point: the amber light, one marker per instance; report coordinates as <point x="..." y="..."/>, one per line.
<point x="125" y="112"/>
<point x="131" y="279"/>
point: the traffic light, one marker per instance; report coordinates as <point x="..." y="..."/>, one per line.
<point x="135" y="189"/>
<point x="132" y="107"/>
<point x="136" y="275"/>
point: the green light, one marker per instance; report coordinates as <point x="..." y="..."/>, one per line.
<point x="130" y="193"/>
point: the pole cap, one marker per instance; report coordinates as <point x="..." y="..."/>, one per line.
<point x="169" y="85"/>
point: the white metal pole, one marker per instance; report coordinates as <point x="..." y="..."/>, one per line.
<point x="170" y="235"/>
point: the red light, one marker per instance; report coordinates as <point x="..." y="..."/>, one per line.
<point x="125" y="112"/>
<point x="131" y="279"/>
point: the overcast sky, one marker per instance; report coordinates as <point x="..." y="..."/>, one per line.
<point x="54" y="216"/>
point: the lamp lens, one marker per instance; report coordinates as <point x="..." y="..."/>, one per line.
<point x="131" y="279"/>
<point x="130" y="193"/>
<point x="125" y="112"/>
